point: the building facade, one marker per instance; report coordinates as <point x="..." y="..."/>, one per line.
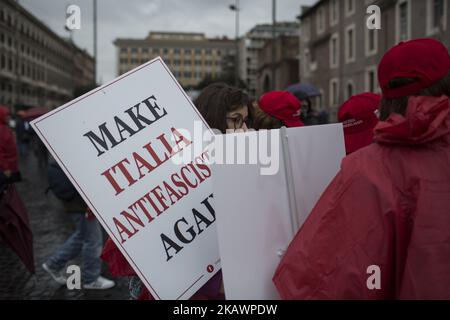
<point x="339" y="53"/>
<point x="190" y="56"/>
<point x="286" y="64"/>
<point x="37" y="67"/>
<point x="251" y="45"/>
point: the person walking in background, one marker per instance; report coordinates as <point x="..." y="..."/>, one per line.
<point x="381" y="229"/>
<point x="277" y="109"/>
<point x="359" y="117"/>
<point x="15" y="227"/>
<point x="22" y="133"/>
<point x="9" y="160"/>
<point x="87" y="239"/>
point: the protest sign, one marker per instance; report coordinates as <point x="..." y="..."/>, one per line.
<point x="270" y="209"/>
<point x="118" y="145"/>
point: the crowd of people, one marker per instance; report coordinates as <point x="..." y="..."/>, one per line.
<point x="388" y="206"/>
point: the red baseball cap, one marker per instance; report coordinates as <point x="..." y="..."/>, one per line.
<point x="359" y="119"/>
<point x="282" y="105"/>
<point x="426" y="60"/>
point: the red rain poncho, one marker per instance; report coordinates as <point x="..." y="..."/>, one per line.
<point x="8" y="149"/>
<point x="389" y="206"/>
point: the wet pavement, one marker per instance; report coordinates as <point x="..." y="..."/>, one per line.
<point x="51" y="226"/>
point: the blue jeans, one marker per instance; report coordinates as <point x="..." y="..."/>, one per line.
<point x="87" y="240"/>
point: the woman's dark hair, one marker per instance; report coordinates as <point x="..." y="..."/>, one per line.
<point x="388" y="106"/>
<point x="217" y="100"/>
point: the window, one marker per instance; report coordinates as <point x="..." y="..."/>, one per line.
<point x="371" y="42"/>
<point x="371" y="79"/>
<point x="334" y="12"/>
<point x="134" y="50"/>
<point x="438" y="12"/>
<point x="349" y="7"/>
<point x="349" y="90"/>
<point x="436" y="16"/>
<point x="334" y="51"/>
<point x="403" y="14"/>
<point x="334" y="92"/>
<point x="350" y="44"/>
<point x="320" y="20"/>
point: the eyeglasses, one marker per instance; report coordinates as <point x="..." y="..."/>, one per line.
<point x="239" y="122"/>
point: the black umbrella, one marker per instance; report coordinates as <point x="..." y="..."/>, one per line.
<point x="304" y="91"/>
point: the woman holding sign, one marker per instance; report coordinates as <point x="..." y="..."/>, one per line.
<point x="225" y="109"/>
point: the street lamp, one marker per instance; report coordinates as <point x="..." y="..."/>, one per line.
<point x="235" y="8"/>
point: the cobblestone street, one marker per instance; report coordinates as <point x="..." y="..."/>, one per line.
<point x="51" y="226"/>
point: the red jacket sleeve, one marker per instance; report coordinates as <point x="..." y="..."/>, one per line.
<point x="344" y="235"/>
<point x="8" y="150"/>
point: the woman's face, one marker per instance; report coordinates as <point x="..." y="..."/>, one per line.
<point x="237" y="119"/>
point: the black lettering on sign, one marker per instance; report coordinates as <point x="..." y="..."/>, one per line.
<point x="104" y="140"/>
<point x="187" y="233"/>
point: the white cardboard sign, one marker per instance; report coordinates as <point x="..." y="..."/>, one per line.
<point x="251" y="249"/>
<point x="117" y="144"/>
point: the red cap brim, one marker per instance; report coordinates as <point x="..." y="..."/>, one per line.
<point x="293" y="123"/>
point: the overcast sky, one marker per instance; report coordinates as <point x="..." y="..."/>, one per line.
<point x="135" y="18"/>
